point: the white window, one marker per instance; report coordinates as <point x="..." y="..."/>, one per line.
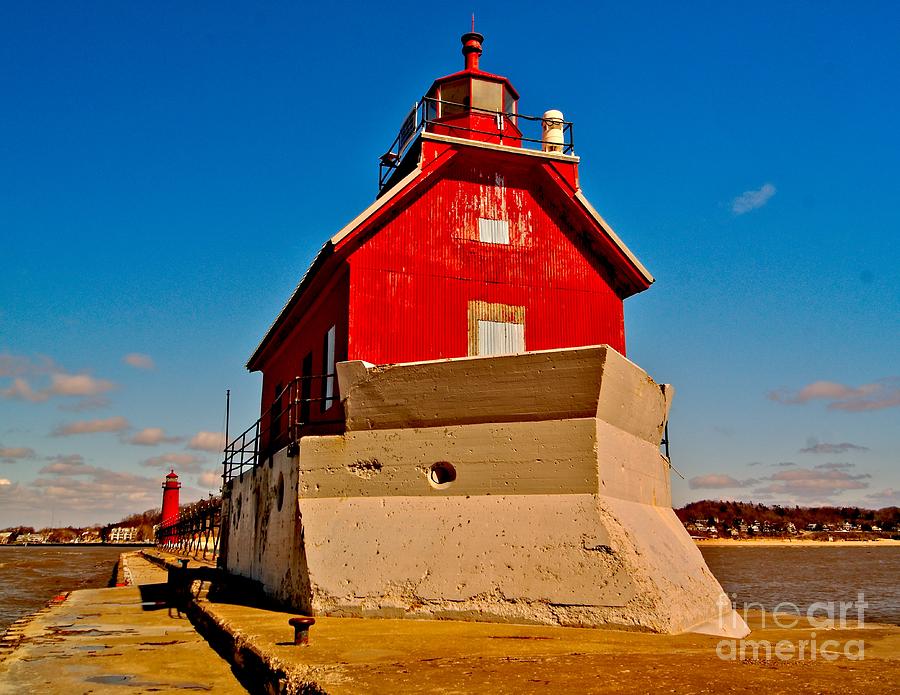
<point x="328" y="369"/>
<point x="493" y="231"/>
<point x="500" y="338"/>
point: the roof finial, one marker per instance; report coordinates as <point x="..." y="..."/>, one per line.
<point x="472" y="47"/>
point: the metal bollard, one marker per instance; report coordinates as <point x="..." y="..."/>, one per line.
<point x="301" y="627"/>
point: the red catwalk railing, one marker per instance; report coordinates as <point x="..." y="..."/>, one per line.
<point x="281" y="425"/>
<point x="195" y="531"/>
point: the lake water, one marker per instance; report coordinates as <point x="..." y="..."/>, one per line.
<point x="805" y="575"/>
<point x="31" y="576"/>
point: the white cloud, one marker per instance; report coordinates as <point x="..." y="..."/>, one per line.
<point x="21" y="390"/>
<point x="186" y="462"/>
<point x="139" y="361"/>
<point x="18" y="365"/>
<point x="824" y="448"/>
<point x="884" y="393"/>
<point x="93" y="403"/>
<point x="81" y="494"/>
<point x="819" y="484"/>
<point x="751" y="200"/>
<point x="151" y="436"/>
<point x="24" y="370"/>
<point x="208" y="441"/>
<point x="11" y="454"/>
<point x="71" y="464"/>
<point x="90" y="491"/>
<point x="210" y="480"/>
<point x="113" y="424"/>
<point x="888" y="497"/>
<point x="717" y="481"/>
<point x="78" y="385"/>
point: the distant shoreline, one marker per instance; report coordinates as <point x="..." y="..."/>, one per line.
<point x="763" y="542"/>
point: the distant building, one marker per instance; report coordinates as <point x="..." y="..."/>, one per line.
<point x="123" y="534"/>
<point x="31" y="538"/>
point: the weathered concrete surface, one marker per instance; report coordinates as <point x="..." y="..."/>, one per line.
<point x="348" y="655"/>
<point x="99" y="640"/>
<point x="263" y="534"/>
<point x="544" y="385"/>
<point x="558" y="511"/>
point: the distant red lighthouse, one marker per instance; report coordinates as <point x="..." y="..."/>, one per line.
<point x="170" y="500"/>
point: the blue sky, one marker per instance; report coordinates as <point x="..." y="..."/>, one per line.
<point x="168" y="171"/>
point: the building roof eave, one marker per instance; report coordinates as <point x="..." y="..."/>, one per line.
<point x="379" y="203"/>
<point x="598" y="218"/>
<point x="324" y="254"/>
<point x="319" y="260"/>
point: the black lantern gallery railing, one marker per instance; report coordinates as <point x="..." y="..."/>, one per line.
<point x="423" y="117"/>
<point x="281" y="425"/>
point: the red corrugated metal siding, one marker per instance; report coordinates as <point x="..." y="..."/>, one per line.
<point x="329" y="308"/>
<point x="411" y="282"/>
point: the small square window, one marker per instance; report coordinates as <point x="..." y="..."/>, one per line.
<point x="493" y="231"/>
<point x="500" y="338"/>
<point x="496" y="329"/>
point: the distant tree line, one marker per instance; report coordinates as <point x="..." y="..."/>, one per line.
<point x="142" y="521"/>
<point x="725" y="516"/>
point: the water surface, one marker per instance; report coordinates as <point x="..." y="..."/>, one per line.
<point x="32" y="575"/>
<point x="804" y="575"/>
<point x="768" y="575"/>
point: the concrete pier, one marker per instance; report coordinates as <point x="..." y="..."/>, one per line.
<point x="101" y="640"/>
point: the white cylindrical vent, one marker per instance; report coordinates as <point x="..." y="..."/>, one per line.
<point x="553" y="138"/>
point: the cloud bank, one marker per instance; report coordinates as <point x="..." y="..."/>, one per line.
<point x="112" y="424"/>
<point x="207" y="441"/>
<point x="884" y="393"/>
<point x="151" y="436"/>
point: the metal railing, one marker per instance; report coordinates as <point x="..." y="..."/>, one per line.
<point x="279" y="426"/>
<point x="195" y="531"/>
<point x="419" y="119"/>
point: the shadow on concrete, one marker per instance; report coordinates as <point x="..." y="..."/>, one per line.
<point x="178" y="591"/>
<point x="154" y="596"/>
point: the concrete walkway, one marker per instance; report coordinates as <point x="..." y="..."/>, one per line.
<point x="99" y="640"/>
<point x="350" y="655"/>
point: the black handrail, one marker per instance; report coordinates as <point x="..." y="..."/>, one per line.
<point x="418" y="116"/>
<point x="244" y="451"/>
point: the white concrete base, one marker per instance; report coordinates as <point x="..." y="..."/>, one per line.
<point x="559" y="514"/>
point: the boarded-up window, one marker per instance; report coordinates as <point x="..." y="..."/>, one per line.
<point x="493" y="231"/>
<point x="496" y="329"/>
<point x="500" y="338"/>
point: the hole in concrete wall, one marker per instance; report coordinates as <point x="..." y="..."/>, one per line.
<point x="237" y="509"/>
<point x="442" y="474"/>
<point x="280" y="490"/>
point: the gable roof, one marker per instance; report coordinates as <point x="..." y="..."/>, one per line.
<point x="412" y="182"/>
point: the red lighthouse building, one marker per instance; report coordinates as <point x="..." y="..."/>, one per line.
<point x="170" y="503"/>
<point x="480" y="242"/>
